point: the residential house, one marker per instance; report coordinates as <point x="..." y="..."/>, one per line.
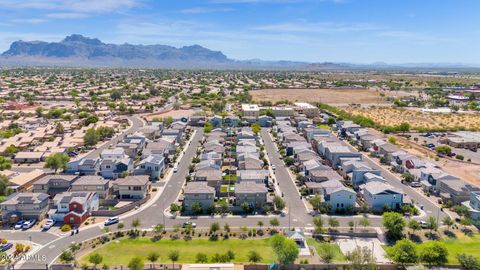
<point x="134" y="187"/>
<point x="254" y="194"/>
<point x="257" y="176"/>
<point x="455" y="190"/>
<point x="379" y="195"/>
<point x="84" y="166"/>
<point x="113" y="168"/>
<point x="74" y="207"/>
<point x="251" y="110"/>
<point x="473" y="206"/>
<point x="25" y="206"/>
<point x="153" y="166"/>
<point x="339" y="197"/>
<point x="29" y="157"/>
<point x="93" y="183"/>
<point x="54" y="183"/>
<point x="198" y="192"/>
<point x="265" y="121"/>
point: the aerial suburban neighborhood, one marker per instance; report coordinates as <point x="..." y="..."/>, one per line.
<point x="239" y="135"/>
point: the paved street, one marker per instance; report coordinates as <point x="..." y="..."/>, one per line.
<point x="153" y="212"/>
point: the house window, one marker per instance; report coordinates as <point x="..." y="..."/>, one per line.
<point x="72" y="219"/>
<point x="108" y="166"/>
<point x="137" y="188"/>
<point x="143" y="166"/>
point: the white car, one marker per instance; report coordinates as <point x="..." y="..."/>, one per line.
<point x="111" y="221"/>
<point x="49" y="224"/>
<point x="175" y="168"/>
<point x="273" y="167"/>
<point x="19" y="224"/>
<point x="29" y="224"/>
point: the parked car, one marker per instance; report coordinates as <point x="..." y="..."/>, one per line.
<point x="111" y="221"/>
<point x="49" y="224"/>
<point x="6" y="247"/>
<point x="19" y="224"/>
<point x="431" y="145"/>
<point x="274" y="167"/>
<point x="188" y="223"/>
<point x="29" y="224"/>
<point x="415" y="184"/>
<point x="175" y="168"/>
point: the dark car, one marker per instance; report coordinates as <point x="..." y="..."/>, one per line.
<point x="6" y="247"/>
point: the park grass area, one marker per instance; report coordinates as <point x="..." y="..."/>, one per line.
<point x="456" y="245"/>
<point x="318" y="245"/>
<point x="121" y="251"/>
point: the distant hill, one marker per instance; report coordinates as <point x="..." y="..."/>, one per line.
<point x="79" y="51"/>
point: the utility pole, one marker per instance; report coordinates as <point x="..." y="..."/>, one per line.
<point x="289" y="215"/>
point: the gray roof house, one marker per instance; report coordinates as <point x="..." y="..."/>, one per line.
<point x="134" y="187"/>
<point x="25" y="206"/>
<point x="198" y="192"/>
<point x="54" y="183"/>
<point x="379" y="195"/>
<point x="250" y="192"/>
<point x="93" y="183"/>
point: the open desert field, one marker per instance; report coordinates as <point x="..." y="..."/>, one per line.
<point x="417" y="119"/>
<point x="337" y="97"/>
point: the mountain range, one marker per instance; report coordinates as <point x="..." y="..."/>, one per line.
<point x="79" y="51"/>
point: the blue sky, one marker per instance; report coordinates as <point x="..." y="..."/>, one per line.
<point x="357" y="31"/>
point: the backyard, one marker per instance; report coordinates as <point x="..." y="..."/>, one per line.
<point x="119" y="252"/>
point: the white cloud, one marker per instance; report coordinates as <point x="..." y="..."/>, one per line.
<point x="202" y="10"/>
<point x="317" y="27"/>
<point x="80" y="6"/>
<point x="66" y="15"/>
<point x="29" y="21"/>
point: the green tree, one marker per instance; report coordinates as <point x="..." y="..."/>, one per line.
<point x="174" y="208"/>
<point x="394" y="224"/>
<point x="59" y="129"/>
<point x="403" y="127"/>
<point x="279" y="203"/>
<point x="91" y="137"/>
<point x="327" y="253"/>
<point x="432" y="225"/>
<point x="448" y="221"/>
<point x="136" y="223"/>
<point x="274" y="222"/>
<point x="214" y="227"/>
<point x="286" y="250"/>
<point x="333" y="223"/>
<point x="434" y="253"/>
<point x="5" y="163"/>
<point x="245" y="207"/>
<point x="66" y="256"/>
<point x="95" y="259"/>
<point x="254" y="257"/>
<point x="174" y="255"/>
<point x="159" y="228"/>
<point x="136" y="263"/>
<point x="201" y="258"/>
<point x="197" y="208"/>
<point x="256" y="128"/>
<point x="318" y="222"/>
<point x="364" y="222"/>
<point x="413" y="225"/>
<point x="57" y="161"/>
<point x="468" y="262"/>
<point x="153" y="257"/>
<point x="361" y="259"/>
<point x="207" y="128"/>
<point x="10" y="150"/>
<point x="403" y="252"/>
<point x="443" y="150"/>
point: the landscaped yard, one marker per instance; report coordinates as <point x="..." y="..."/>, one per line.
<point x="119" y="252"/>
<point x="460" y="244"/>
<point x="318" y="245"/>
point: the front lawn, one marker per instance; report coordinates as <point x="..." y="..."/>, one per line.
<point x="456" y="245"/>
<point x="318" y="245"/>
<point x="119" y="252"/>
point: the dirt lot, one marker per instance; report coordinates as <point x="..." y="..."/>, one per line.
<point x="173" y="113"/>
<point x="338" y="97"/>
<point x="417" y="119"/>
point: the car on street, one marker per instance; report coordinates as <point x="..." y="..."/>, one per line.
<point x="274" y="167"/>
<point x="6" y="247"/>
<point x="175" y="168"/>
<point x="49" y="224"/>
<point x="415" y="184"/>
<point x="111" y="221"/>
<point x="29" y="224"/>
<point x="19" y="224"/>
<point x="423" y="224"/>
<point x="188" y="223"/>
<point x="431" y="145"/>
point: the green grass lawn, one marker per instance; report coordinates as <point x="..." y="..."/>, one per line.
<point x="339" y="257"/>
<point x="119" y="252"/>
<point x="460" y="244"/>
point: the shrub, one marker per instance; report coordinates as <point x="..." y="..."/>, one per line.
<point x="66" y="228"/>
